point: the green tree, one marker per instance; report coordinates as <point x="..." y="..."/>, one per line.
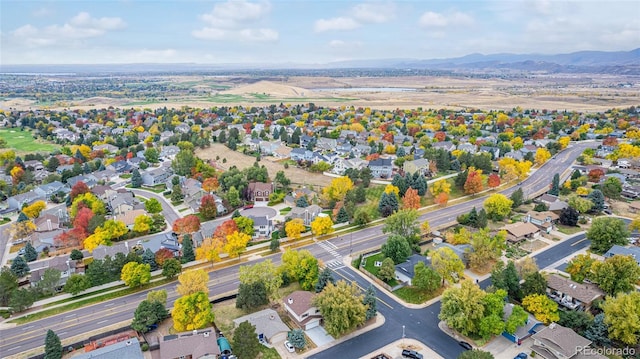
<point x="251" y="295"/>
<point x="342" y="216"/>
<point x="569" y="217"/>
<point x="49" y="282"/>
<point x="21" y="299"/>
<point x="302" y="202"/>
<point x="511" y="281"/>
<point x="188" y="255"/>
<point x="233" y="197"/>
<point x="153" y="206"/>
<point x="159" y="296"/>
<point x="403" y="223"/>
<point x="76" y="255"/>
<point x="135" y="274"/>
<point x="301" y="266"/>
<point x="597" y="198"/>
<point x="8" y="284"/>
<point x="245" y="341"/>
<point x="397" y="248"/>
<point x="425" y="277"/>
<point x="579" y="321"/>
<point x="598" y="332"/>
<point x="171" y="268"/>
<point x="341" y="307"/>
<point x="326" y="276"/>
<point x="517" y="319"/>
<point x="151" y="155"/>
<point x="612" y="188"/>
<point x="176" y="193"/>
<point x="606" y="232"/>
<point x="264" y="272"/>
<point x="517" y="197"/>
<point x="387" y="270"/>
<point x="52" y="345"/>
<point x="245" y="225"/>
<point x="136" y="179"/>
<point x="580" y="204"/>
<point x="148" y="257"/>
<point x="448" y="265"/>
<point x="534" y="283"/>
<point x="77" y="283"/>
<point x="475" y="354"/>
<point x="617" y="274"/>
<point x="297" y="338"/>
<point x="184" y="162"/>
<point x="622" y="316"/>
<point x="555" y="185"/>
<point x="19" y="267"/>
<point x="463" y="308"/>
<point x="371" y="302"/>
<point x="148" y="313"/>
<point x="579" y="267"/>
<point x="30" y="253"/>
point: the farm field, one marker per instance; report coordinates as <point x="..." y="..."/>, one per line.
<point x="22" y="141"/>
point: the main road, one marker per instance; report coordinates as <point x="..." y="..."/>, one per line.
<point x="419" y="324"/>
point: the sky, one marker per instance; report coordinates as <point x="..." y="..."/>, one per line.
<point x="305" y="31"/>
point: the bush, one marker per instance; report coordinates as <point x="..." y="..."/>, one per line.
<point x="144" y="347"/>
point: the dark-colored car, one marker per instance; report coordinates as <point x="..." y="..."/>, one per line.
<point x="465" y="345"/>
<point x="411" y="354"/>
<point x="521" y="356"/>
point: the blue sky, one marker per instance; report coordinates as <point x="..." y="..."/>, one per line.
<point x="305" y="31"/>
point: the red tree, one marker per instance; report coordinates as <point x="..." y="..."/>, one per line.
<point x="442" y="198"/>
<point x="186" y="225"/>
<point x="226" y="228"/>
<point x="208" y="207"/>
<point x="81" y="222"/>
<point x="473" y="184"/>
<point x="162" y="255"/>
<point x="440" y="136"/>
<point x="210" y="184"/>
<point x="610" y="141"/>
<point x="595" y="175"/>
<point x="493" y="181"/>
<point x="78" y="189"/>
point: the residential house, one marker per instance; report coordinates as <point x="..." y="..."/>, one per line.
<point x="64" y="264"/>
<point x="634" y="207"/>
<point x="342" y="164"/>
<point x="47" y="190"/>
<point x="306" y="214"/>
<point x="518" y="231"/>
<point x="282" y="152"/>
<point x="558" y="342"/>
<point x="109" y="349"/>
<point x="544" y="220"/>
<point x="169" y="152"/>
<point x="404" y="270"/>
<point x="182" y="128"/>
<point x="299" y="305"/>
<point x="196" y="344"/>
<point x="120" y="167"/>
<point x="361" y="150"/>
<point x="445" y="145"/>
<point x="301" y="154"/>
<point x="35" y="166"/>
<point x="344" y="148"/>
<point x="27" y="198"/>
<point x="156" y="176"/>
<point x="494" y="151"/>
<point x="632" y="251"/>
<point x="60" y="170"/>
<point x="572" y="295"/>
<point x="326" y="144"/>
<point x="165" y="135"/>
<point x="102" y="251"/>
<point x="259" y="192"/>
<point x="460" y="250"/>
<point x="269" y="326"/>
<point x="105" y="175"/>
<point x="381" y="167"/>
<point x="553" y="203"/>
<point x="88" y="179"/>
<point x="291" y="198"/>
<point x="531" y="326"/>
<point x="262" y="227"/>
<point x="516" y="155"/>
<point x="128" y="217"/>
<point x="135" y="162"/>
<point x="47" y="222"/>
<point x="106" y="147"/>
<point x="420" y="165"/>
<point x="122" y="202"/>
<point x="305" y="140"/>
<point x="268" y="148"/>
<point x="468" y="147"/>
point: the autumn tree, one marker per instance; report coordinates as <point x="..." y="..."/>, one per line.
<point x="338" y="188"/>
<point x="341" y="307"/>
<point x="440" y="186"/>
<point x="208" y="208"/>
<point x="322" y="225"/>
<point x="88" y="200"/>
<point x="193" y="281"/>
<point x="142" y="224"/>
<point x="493" y="180"/>
<point x="33" y="210"/>
<point x="473" y="184"/>
<point x="192" y="312"/>
<point x="187" y="225"/>
<point x="580" y="204"/>
<point x="135" y="274"/>
<point x="294" y="228"/>
<point x="264" y="272"/>
<point x="210" y="185"/>
<point x="617" y="274"/>
<point x="301" y="266"/>
<point x="411" y="199"/>
<point x="162" y="255"/>
<point x="442" y="199"/>
<point x="225" y="229"/>
<point x="579" y="267"/>
<point x="236" y="244"/>
<point x="210" y="250"/>
<point x="498" y="206"/>
<point x="447" y="263"/>
<point x="245" y="225"/>
<point x="622" y="316"/>
<point x="526" y="266"/>
<point x="79" y="188"/>
<point x="542" y="307"/>
<point x="486" y="248"/>
<point x="542" y="155"/>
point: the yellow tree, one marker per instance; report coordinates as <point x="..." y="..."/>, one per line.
<point x="389" y="189"/>
<point x="294" y="228"/>
<point x="142" y="223"/>
<point x="193" y="281"/>
<point x="564" y="141"/>
<point x="440" y="186"/>
<point x="425" y="227"/>
<point x="322" y="225"/>
<point x="542" y="307"/>
<point x="135" y="274"/>
<point x="542" y="155"/>
<point x="192" y="312"/>
<point x="517" y="143"/>
<point x="338" y="188"/>
<point x="498" y="206"/>
<point x="22" y="229"/>
<point x="508" y="168"/>
<point x="33" y="211"/>
<point x="210" y="250"/>
<point x="97" y="238"/>
<point x="523" y="168"/>
<point x="236" y="244"/>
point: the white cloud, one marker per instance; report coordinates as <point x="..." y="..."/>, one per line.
<point x="81" y="26"/>
<point x="374" y="12"/>
<point x="236" y="20"/>
<point x="336" y="24"/>
<point x="41" y="12"/>
<point x="432" y="19"/>
<point x="341" y="44"/>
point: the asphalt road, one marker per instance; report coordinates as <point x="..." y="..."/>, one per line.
<point x="94" y="317"/>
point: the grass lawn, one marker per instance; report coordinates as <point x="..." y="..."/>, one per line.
<point x="370" y="267"/>
<point x="285" y="210"/>
<point x="23" y="141"/>
<point x="5" y="220"/>
<point x="415" y="295"/>
<point x="568" y="229"/>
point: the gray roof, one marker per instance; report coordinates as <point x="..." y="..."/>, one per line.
<point x="407" y="266"/>
<point x="266" y="321"/>
<point x="624" y="251"/>
<point x="196" y="344"/>
<point x="129" y="349"/>
<point x="561" y="339"/>
<point x="260" y="221"/>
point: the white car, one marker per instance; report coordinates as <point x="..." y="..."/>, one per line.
<point x="289" y="347"/>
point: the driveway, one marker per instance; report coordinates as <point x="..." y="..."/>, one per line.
<point x="259" y="211"/>
<point x="319" y="336"/>
<point x="503" y="348"/>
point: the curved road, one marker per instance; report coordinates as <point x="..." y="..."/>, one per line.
<point x="419" y="324"/>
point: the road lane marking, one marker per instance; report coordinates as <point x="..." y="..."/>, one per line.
<point x="14" y="348"/>
<point x="108" y="304"/>
<point x="362" y="289"/>
<point x="70" y="315"/>
<point x="575" y="243"/>
<point x="102" y="321"/>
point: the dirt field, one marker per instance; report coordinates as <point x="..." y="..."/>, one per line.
<point x="297" y="176"/>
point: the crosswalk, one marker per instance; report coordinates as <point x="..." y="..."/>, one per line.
<point x="331" y="249"/>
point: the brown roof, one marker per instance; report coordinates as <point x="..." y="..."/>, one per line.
<point x="300" y="301"/>
<point x="259" y="186"/>
<point x="583" y="292"/>
<point x="634" y="205"/>
<point x="129" y="217"/>
<point x="542" y="216"/>
<point x="521" y="229"/>
<point x="197" y="344"/>
<point x="561" y="339"/>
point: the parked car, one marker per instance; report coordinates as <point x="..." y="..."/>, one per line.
<point x="22" y="251"/>
<point x="289" y="347"/>
<point x="411" y="354"/>
<point x="465" y="345"/>
<point x="521" y="356"/>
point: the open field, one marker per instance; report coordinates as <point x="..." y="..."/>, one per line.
<point x="590" y="92"/>
<point x="23" y="142"/>
<point x="297" y="176"/>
